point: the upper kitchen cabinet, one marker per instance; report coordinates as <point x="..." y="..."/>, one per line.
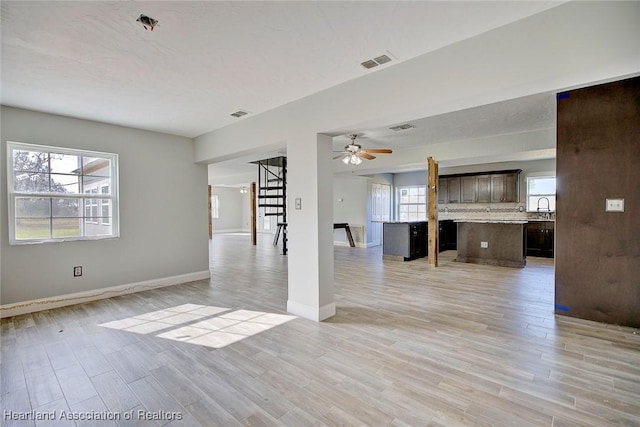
<point x="468" y="189"/>
<point x="449" y="189"/>
<point x="443" y="190"/>
<point x="505" y="187"/>
<point x="484" y="189"/>
<point x="454" y="189"/>
<point x="491" y="187"/>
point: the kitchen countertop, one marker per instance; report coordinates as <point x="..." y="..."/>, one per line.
<point x="401" y="222"/>
<point x="494" y="221"/>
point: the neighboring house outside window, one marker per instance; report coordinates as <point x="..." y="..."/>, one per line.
<point x="412" y="203"/>
<point x="541" y="194"/>
<point x="60" y="194"/>
<point x="214" y="206"/>
<point x="105" y="207"/>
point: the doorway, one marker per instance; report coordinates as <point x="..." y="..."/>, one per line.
<point x="380" y="210"/>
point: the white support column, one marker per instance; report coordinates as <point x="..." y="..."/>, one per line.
<point x="310" y="227"/>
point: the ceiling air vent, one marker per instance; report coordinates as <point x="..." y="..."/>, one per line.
<point x="239" y="113"/>
<point x="382" y="59"/>
<point x="403" y="126"/>
<point x="369" y="64"/>
<point x="379" y="60"/>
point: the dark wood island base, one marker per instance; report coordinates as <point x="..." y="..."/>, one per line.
<point x="505" y="243"/>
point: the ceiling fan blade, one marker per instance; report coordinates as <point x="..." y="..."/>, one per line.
<point x="378" y="150"/>
<point x="365" y="155"/>
<point x="339" y="156"/>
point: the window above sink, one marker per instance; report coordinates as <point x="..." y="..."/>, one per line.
<point x="541" y="194"/>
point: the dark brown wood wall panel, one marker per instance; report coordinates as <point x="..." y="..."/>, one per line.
<point x="598" y="157"/>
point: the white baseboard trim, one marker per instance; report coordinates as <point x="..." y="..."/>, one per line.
<point x="15" y="309"/>
<point x="358" y="244"/>
<point x="312" y="313"/>
<point x="229" y="230"/>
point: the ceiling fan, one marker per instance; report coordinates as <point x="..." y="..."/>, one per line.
<point x="354" y="153"/>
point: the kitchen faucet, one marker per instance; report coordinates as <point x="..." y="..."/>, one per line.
<point x="547" y="214"/>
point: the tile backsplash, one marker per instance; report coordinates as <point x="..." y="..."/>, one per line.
<point x="488" y="211"/>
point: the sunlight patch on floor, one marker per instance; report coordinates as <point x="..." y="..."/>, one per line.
<point x="209" y="326"/>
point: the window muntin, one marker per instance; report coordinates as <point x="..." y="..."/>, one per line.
<point x="541" y="194"/>
<point x="58" y="194"/>
<point x="412" y="203"/>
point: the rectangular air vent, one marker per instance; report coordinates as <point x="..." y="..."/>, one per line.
<point x="378" y="60"/>
<point x="239" y="113"/>
<point x="382" y="59"/>
<point x="403" y="126"/>
<point x="369" y="64"/>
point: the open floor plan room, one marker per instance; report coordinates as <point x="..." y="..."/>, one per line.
<point x="410" y="345"/>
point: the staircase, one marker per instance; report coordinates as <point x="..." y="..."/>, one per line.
<point x="272" y="194"/>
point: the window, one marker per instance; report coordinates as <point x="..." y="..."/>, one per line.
<point x="105" y="207"/>
<point x="412" y="203"/>
<point x="60" y="194"/>
<point x="214" y="206"/>
<point x="541" y="194"/>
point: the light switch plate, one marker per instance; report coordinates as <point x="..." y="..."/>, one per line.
<point x="484" y="245"/>
<point x="615" y="205"/>
<point x="298" y="203"/>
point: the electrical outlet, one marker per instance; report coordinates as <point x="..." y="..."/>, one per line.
<point x="615" y="205"/>
<point x="77" y="271"/>
<point x="484" y="245"/>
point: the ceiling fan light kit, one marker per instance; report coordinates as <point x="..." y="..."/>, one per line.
<point x="351" y="160"/>
<point x="354" y="153"/>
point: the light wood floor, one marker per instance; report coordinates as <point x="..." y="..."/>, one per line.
<point x="410" y="346"/>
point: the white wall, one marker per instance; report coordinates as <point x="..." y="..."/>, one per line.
<point x="233" y="210"/>
<point x="409" y="179"/>
<point x="353" y="191"/>
<point x="163" y="211"/>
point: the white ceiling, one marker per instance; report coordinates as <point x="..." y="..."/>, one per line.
<point x="526" y="114"/>
<point x="508" y="117"/>
<point x="206" y="60"/>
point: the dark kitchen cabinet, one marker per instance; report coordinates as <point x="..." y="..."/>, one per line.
<point x="468" y="189"/>
<point x="443" y="190"/>
<point x="505" y="187"/>
<point x="540" y="238"/>
<point x="449" y="190"/>
<point x="447" y="236"/>
<point x="418" y="240"/>
<point x="453" y="189"/>
<point x="484" y="189"/>
<point x="492" y="187"/>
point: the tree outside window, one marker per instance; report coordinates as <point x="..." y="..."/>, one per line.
<point x="53" y="193"/>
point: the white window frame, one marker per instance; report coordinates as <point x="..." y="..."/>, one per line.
<point x="411" y="204"/>
<point x="550" y="196"/>
<point x="81" y="196"/>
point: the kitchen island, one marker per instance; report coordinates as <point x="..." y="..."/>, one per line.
<point x="492" y="242"/>
<point x="404" y="240"/>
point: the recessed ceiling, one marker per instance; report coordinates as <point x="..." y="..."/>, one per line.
<point x="205" y="60"/>
<point x="508" y="117"/>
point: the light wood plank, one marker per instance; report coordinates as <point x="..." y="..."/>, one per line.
<point x="410" y="345"/>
